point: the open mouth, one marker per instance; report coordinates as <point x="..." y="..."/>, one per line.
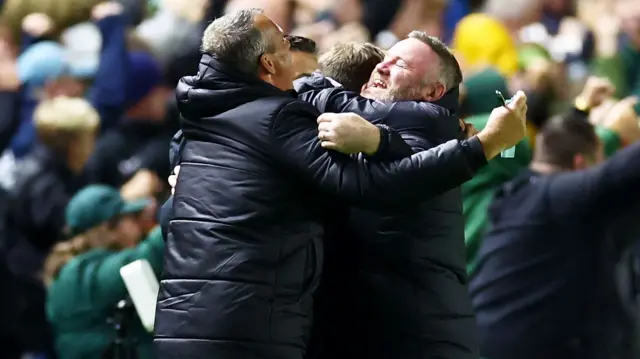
<point x="379" y="84"/>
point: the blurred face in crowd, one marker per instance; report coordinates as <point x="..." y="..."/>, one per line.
<point x="303" y="63"/>
<point x="410" y="71"/>
<point x="81" y="149"/>
<point x="153" y="106"/>
<point x="127" y="231"/>
<point x="276" y="67"/>
<point x="65" y="86"/>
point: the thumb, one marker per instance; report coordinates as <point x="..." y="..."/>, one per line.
<point x="518" y="100"/>
<point x="628" y="101"/>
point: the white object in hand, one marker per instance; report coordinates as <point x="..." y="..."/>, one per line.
<point x="142" y="286"/>
<point x="509" y="152"/>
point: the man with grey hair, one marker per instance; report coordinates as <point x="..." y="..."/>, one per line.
<point x="403" y="284"/>
<point x="244" y="245"/>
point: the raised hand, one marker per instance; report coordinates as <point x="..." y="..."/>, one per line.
<point x="506" y="126"/>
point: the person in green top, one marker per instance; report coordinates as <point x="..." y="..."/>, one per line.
<point x="83" y="274"/>
<point x="619" y="61"/>
<point x="479" y="191"/>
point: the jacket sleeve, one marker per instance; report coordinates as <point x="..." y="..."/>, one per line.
<point x="106" y="277"/>
<point x="106" y="94"/>
<point x="359" y="181"/>
<point x="392" y="146"/>
<point x="325" y="99"/>
<point x="602" y="191"/>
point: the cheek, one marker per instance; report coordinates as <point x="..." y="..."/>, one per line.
<point x="398" y="79"/>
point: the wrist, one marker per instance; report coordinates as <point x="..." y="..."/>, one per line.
<point x="490" y="146"/>
<point x="375" y="139"/>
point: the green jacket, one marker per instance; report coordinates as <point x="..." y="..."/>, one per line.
<point x="83" y="297"/>
<point x="478" y="192"/>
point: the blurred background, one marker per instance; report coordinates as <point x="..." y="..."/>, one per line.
<point x="86" y="99"/>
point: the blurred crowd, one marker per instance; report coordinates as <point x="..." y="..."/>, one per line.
<point x="88" y="110"/>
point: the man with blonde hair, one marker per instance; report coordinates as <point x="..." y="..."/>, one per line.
<point x="351" y="63"/>
<point x="68" y="127"/>
<point x="42" y="184"/>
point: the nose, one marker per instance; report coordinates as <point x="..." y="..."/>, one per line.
<point x="383" y="67"/>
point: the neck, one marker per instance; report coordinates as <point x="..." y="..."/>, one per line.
<point x="268" y="79"/>
<point x="545" y="168"/>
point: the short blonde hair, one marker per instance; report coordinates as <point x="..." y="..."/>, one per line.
<point x="351" y="63"/>
<point x="60" y="120"/>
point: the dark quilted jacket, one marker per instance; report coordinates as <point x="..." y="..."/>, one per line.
<point x="403" y="283"/>
<point x="244" y="251"/>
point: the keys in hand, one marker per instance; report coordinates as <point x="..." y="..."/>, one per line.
<point x="506" y="126"/>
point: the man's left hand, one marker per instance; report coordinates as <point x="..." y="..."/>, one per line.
<point x="469" y="129"/>
<point x="348" y="133"/>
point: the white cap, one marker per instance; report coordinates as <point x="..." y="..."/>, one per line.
<point x="82" y="44"/>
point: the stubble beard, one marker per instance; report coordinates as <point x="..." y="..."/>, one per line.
<point x="409" y="93"/>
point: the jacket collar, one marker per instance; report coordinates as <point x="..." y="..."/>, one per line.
<point x="220" y="87"/>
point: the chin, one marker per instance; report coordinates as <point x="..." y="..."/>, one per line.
<point x="374" y="93"/>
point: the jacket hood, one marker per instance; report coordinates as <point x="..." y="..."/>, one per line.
<point x="219" y="87"/>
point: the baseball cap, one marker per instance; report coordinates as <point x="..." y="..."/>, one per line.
<point x="41" y="62"/>
<point x="96" y="204"/>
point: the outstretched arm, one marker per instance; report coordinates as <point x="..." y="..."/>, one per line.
<point x="413" y="179"/>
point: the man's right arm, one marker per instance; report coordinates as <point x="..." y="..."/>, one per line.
<point x="413" y="179"/>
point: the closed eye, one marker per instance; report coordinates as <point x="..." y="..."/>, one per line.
<point x="401" y="64"/>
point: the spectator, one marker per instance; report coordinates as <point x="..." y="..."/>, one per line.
<point x="482" y="41"/>
<point x="66" y="129"/>
<point x="304" y="55"/>
<point x="619" y="61"/>
<point x="141" y="140"/>
<point x="478" y="192"/>
<point x="544" y="275"/>
<point x="45" y="66"/>
<point x="83" y="273"/>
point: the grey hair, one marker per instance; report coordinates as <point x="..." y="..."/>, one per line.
<point x="450" y="72"/>
<point x="233" y="38"/>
